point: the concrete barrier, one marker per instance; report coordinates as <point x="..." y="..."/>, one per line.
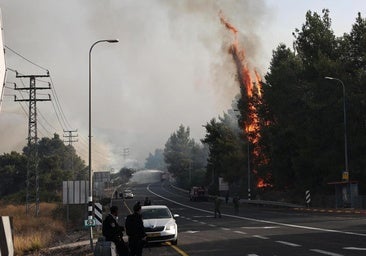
<point x="6" y="236"/>
<point x="105" y="248"/>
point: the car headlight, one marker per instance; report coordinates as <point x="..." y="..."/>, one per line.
<point x="170" y="227"/>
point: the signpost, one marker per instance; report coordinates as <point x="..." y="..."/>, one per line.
<point x="89" y="223"/>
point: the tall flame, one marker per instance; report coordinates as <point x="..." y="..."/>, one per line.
<point x="250" y="81"/>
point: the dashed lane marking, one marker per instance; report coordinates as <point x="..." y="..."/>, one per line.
<point x="326" y="252"/>
<point x="262" y="221"/>
<point x="226" y="229"/>
<point x="288" y="243"/>
<point x="240" y="232"/>
<point x="355" y="248"/>
<point x="261" y="237"/>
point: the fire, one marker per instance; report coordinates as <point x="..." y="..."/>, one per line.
<point x="250" y="80"/>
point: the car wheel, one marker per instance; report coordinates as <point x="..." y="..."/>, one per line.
<point x="175" y="242"/>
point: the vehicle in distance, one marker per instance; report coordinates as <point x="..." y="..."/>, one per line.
<point x="198" y="194"/>
<point x="159" y="224"/>
<point x="127" y="194"/>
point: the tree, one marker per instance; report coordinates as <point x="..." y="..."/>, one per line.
<point x="56" y="163"/>
<point x="156" y="161"/>
<point x="226" y="158"/>
<point x="183" y="156"/>
<point x="302" y="113"/>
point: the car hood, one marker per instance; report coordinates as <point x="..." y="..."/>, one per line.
<point x="157" y="222"/>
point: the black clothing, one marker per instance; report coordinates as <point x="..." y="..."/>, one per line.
<point x="112" y="231"/>
<point x="217" y="206"/>
<point x="136" y="233"/>
<point x="147" y="201"/>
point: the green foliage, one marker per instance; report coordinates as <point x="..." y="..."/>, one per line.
<point x="183" y="156"/>
<point x="125" y="174"/>
<point x="226" y="155"/>
<point x="156" y="161"/>
<point x="301" y="116"/>
<point x="56" y="163"/>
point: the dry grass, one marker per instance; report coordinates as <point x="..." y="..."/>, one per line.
<point x="33" y="233"/>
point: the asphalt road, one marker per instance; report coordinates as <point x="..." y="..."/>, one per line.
<point x="254" y="231"/>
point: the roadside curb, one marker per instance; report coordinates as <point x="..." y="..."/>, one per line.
<point x="348" y="211"/>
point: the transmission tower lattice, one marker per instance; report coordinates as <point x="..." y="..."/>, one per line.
<point x="32" y="182"/>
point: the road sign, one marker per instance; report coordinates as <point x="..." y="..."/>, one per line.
<point x="98" y="214"/>
<point x="89" y="223"/>
<point x="345" y="176"/>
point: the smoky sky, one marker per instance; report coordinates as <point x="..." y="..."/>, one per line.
<point x="170" y="67"/>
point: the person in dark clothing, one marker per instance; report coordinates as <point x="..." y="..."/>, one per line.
<point x="227" y="197"/>
<point x="135" y="231"/>
<point x="147" y="201"/>
<point x="217" y="202"/>
<point x="236" y="204"/>
<point x="112" y="231"/>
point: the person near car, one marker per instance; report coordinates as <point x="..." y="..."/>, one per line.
<point x="135" y="231"/>
<point x="217" y="203"/>
<point x="147" y="201"/>
<point x="113" y="232"/>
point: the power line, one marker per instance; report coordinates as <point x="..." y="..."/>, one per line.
<point x="35" y="64"/>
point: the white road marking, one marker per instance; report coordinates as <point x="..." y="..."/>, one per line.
<point x="203" y="223"/>
<point x="259" y="220"/>
<point x="252" y="254"/>
<point x="288" y="243"/>
<point x="265" y="227"/>
<point x="261" y="237"/>
<point x="355" y="248"/>
<point x="240" y="232"/>
<point x="212" y="225"/>
<point x="226" y="229"/>
<point x="195" y="220"/>
<point x="191" y="231"/>
<point x="326" y="252"/>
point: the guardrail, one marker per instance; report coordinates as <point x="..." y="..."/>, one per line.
<point x="253" y="202"/>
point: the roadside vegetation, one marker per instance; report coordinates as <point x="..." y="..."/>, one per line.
<point x="34" y="233"/>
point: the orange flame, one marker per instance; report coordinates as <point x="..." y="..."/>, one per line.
<point x="251" y="81"/>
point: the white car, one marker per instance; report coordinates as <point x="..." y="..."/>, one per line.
<point x="159" y="224"/>
<point x="128" y="194"/>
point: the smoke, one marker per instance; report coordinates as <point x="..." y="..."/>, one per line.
<point x="170" y="67"/>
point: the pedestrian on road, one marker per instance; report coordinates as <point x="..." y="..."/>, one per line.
<point x="113" y="232"/>
<point x="217" y="202"/>
<point x="236" y="204"/>
<point x="135" y="231"/>
<point x="147" y="201"/>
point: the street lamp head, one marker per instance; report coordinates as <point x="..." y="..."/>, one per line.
<point x="329" y="78"/>
<point x="113" y="41"/>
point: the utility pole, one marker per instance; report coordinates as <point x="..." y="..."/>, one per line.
<point x="69" y="134"/>
<point x="70" y="137"/>
<point x="32" y="190"/>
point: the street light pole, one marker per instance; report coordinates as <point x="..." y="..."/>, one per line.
<point x="344" y="122"/>
<point x="90" y="199"/>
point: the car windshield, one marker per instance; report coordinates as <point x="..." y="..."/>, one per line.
<point x="157" y="213"/>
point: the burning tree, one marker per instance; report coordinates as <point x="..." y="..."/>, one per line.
<point x="250" y="92"/>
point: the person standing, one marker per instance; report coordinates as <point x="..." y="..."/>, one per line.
<point x="113" y="232"/>
<point x="147" y="201"/>
<point x="135" y="231"/>
<point x="227" y="197"/>
<point x="217" y="202"/>
<point x="236" y="204"/>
